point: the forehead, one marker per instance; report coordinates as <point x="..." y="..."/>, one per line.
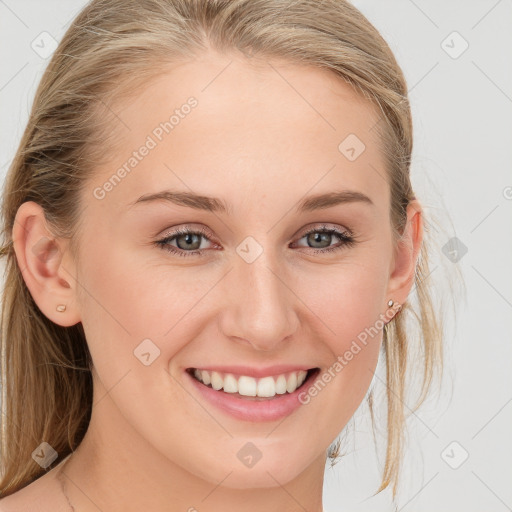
<point x="249" y="128"/>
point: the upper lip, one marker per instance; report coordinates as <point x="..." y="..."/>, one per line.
<point x="252" y="371"/>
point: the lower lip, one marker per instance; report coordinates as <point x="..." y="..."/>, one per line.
<point x="271" y="409"/>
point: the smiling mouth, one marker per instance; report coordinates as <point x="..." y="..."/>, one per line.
<point x="263" y="388"/>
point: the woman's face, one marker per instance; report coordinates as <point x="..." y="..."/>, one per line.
<point x="249" y="292"/>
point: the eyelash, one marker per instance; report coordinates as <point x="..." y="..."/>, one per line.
<point x="347" y="240"/>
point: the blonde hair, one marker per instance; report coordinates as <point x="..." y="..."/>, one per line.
<point x="111" y="50"/>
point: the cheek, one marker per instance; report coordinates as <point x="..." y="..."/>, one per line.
<point x="346" y="306"/>
<point x="347" y="299"/>
<point x="135" y="305"/>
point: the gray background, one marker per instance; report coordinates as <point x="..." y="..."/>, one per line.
<point x="462" y="107"/>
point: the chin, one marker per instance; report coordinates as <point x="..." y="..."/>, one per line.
<point x="250" y="468"/>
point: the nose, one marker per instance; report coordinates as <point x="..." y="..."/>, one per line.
<point x="259" y="306"/>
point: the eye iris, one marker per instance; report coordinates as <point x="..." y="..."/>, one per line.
<point x="318" y="236"/>
<point x="188" y="237"/>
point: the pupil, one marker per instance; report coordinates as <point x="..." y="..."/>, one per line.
<point x="188" y="237"/>
<point x="317" y="237"/>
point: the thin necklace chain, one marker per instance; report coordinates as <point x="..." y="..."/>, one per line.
<point x="62" y="486"/>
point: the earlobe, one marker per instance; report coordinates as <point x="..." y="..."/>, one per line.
<point x="406" y="254"/>
<point x="40" y="257"/>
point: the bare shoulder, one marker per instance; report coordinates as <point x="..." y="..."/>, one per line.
<point x="42" y="495"/>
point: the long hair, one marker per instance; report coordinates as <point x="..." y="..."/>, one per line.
<point x="112" y="48"/>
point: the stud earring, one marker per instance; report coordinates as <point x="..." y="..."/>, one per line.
<point x="398" y="306"/>
<point x="61" y="308"/>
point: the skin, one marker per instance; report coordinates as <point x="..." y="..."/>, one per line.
<point x="262" y="146"/>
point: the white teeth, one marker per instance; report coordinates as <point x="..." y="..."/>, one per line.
<point x="217" y="381"/>
<point x="281" y="385"/>
<point x="291" y="384"/>
<point x="247" y="386"/>
<point x="230" y="384"/>
<point x="265" y="387"/>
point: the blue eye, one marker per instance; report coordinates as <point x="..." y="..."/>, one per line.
<point x="186" y="239"/>
<point x="324" y="233"/>
<point x="183" y="237"/>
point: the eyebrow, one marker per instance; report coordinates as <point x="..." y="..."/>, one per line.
<point x="213" y="204"/>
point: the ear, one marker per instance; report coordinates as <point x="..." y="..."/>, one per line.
<point x="45" y="265"/>
<point x="403" y="268"/>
